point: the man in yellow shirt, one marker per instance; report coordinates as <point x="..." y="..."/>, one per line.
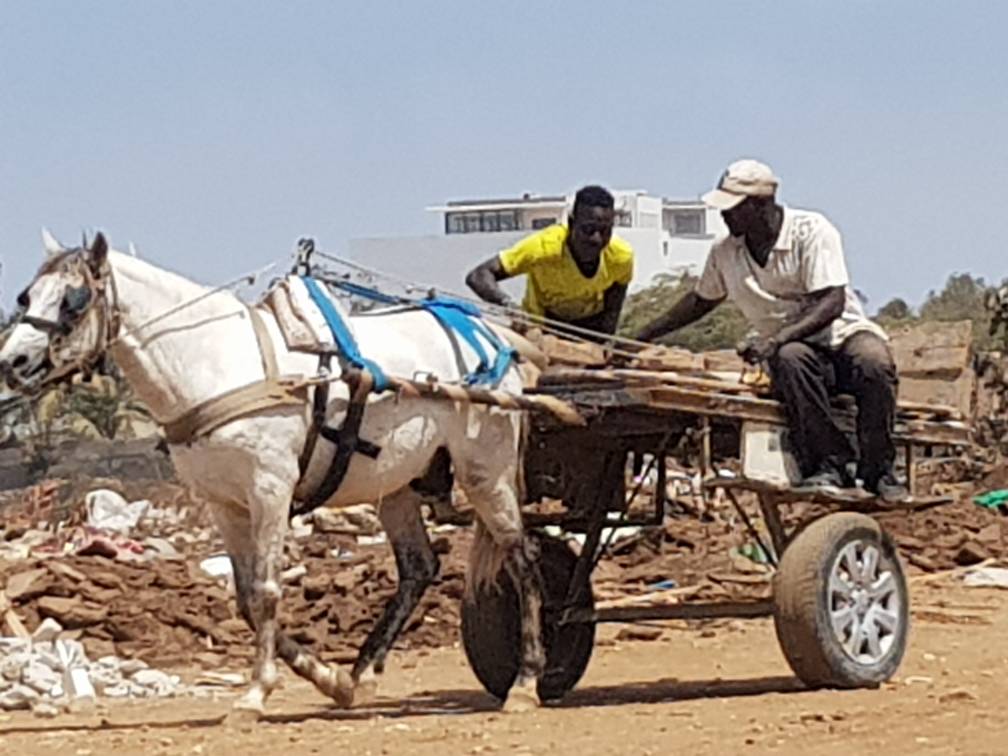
<point x="578" y="273"/>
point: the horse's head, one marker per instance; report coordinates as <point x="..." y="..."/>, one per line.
<point x="67" y="317"/>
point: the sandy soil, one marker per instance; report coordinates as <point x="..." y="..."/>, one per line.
<point x="716" y="689"/>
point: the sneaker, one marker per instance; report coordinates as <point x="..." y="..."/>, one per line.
<point x="829" y="476"/>
<point x="889" y="489"/>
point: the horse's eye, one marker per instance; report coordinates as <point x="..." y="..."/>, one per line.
<point x="22" y="299"/>
<point x="75" y="301"/>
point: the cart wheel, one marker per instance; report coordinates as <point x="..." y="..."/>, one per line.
<point x="491" y="630"/>
<point x="841" y="603"/>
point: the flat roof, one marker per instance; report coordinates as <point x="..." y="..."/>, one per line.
<point x="545" y="201"/>
<point x="666" y="202"/>
<point x="498" y="204"/>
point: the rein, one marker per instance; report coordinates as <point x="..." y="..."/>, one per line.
<point x="102" y="298"/>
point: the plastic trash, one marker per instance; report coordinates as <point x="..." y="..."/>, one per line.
<point x="107" y="510"/>
<point x="995" y="500"/>
<point x="987" y="577"/>
<point x="218" y="565"/>
<point x="753" y="552"/>
<point x="663" y="585"/>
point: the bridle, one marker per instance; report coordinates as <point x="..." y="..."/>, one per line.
<point x="97" y="295"/>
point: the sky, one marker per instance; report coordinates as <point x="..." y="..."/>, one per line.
<point x="213" y="134"/>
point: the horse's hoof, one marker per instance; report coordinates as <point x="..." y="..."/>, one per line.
<point x="245" y="712"/>
<point x="339" y="687"/>
<point x="520" y="700"/>
<point x="366" y="692"/>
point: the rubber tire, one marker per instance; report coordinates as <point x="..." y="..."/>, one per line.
<point x="801" y="611"/>
<point x="491" y="630"/>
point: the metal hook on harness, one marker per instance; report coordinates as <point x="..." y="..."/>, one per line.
<point x="305" y="249"/>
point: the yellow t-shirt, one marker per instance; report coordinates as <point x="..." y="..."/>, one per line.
<point x="555" y="284"/>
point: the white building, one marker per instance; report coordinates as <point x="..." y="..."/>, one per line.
<point x="668" y="236"/>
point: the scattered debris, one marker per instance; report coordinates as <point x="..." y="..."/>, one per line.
<point x="987" y="577"/>
<point x="54" y="675"/>
<point x="109" y="511"/>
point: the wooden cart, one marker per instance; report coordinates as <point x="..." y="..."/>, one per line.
<point x="839" y="597"/>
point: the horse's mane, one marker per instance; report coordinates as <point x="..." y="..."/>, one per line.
<point x="55" y="262"/>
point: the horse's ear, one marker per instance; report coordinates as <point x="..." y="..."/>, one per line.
<point x="98" y="253"/>
<point x="49" y="243"/>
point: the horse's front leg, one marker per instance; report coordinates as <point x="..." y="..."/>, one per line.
<point x="268" y="505"/>
<point x="417" y="566"/>
<point x="234" y="524"/>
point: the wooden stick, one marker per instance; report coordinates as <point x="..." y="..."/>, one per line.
<point x="657" y="597"/>
<point x="954" y="572"/>
<point x="560" y="409"/>
<point x="675" y="378"/>
<point x="14" y="624"/>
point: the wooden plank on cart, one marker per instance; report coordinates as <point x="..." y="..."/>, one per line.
<point x="933" y="349"/>
<point x="934" y="360"/>
<point x="908" y="428"/>
<point x="854" y="499"/>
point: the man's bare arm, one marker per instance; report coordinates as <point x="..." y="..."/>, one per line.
<point x="819" y="310"/>
<point x="689" y="309"/>
<point x="612" y="307"/>
<point x="483" y="280"/>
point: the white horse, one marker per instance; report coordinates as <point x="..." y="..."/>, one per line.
<point x="89" y="300"/>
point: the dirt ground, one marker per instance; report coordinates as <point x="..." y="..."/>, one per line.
<point x="716" y="689"/>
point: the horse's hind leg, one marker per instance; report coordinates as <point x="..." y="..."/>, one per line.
<point x="487" y="469"/>
<point x="522" y="565"/>
<point x="417" y="566"/>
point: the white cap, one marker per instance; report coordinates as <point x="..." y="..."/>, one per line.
<point x="744" y="178"/>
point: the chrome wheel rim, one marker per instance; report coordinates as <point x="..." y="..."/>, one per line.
<point x="865" y="602"/>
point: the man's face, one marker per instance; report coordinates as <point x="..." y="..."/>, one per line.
<point x="742" y="218"/>
<point x="590" y="231"/>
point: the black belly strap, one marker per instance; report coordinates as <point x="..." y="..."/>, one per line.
<point x="346" y="437"/>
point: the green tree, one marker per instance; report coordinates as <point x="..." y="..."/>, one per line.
<point x="895" y="309"/>
<point x="721" y="329"/>
<point x="961" y="299"/>
<point x="895" y="313"/>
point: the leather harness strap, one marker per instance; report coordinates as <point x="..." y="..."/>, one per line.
<point x="320" y="402"/>
<point x="346" y="439"/>
<point x="268" y="393"/>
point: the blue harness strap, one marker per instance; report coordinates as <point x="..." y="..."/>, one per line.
<point x="465" y="320"/>
<point x="345" y="341"/>
<point x="454" y="315"/>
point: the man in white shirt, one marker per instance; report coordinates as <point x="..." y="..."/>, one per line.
<point x="785" y="270"/>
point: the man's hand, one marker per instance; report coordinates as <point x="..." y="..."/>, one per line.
<point x="483" y="280"/>
<point x="757" y="349"/>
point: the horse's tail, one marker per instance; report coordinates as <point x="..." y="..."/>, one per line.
<point x="524" y="428"/>
<point x="486" y="560"/>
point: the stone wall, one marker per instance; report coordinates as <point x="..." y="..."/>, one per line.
<point x="140" y="459"/>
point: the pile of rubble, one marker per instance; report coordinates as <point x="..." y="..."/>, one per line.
<point x="48" y="674"/>
<point x="160" y="590"/>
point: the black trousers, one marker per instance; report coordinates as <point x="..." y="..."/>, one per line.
<point x="805" y="376"/>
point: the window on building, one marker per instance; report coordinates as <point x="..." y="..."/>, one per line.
<point x="538" y="223"/>
<point x="688" y="223"/>
<point x="487" y="221"/>
<point x="508" y="220"/>
<point x="624" y="218"/>
<point x="473" y="223"/>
